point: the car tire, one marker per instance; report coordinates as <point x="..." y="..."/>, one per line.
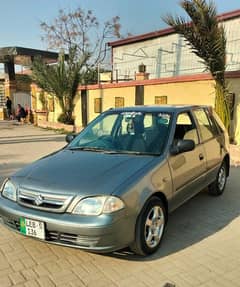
<point x="217" y="187"/>
<point x="150" y="227"/>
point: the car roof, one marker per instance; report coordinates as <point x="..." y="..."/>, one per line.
<point x="158" y="108"/>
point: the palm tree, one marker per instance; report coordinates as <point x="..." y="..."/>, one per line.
<point x="206" y="38"/>
<point x="61" y="80"/>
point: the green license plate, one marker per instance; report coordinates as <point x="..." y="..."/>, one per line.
<point x="32" y="228"/>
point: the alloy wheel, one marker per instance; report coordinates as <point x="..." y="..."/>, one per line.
<point x="154" y="226"/>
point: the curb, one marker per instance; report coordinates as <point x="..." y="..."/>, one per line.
<point x="235" y="155"/>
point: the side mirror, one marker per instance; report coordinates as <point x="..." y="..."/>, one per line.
<point x="182" y="146"/>
<point x="70" y="137"/>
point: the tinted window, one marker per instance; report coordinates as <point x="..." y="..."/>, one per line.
<point x="124" y="132"/>
<point x="185" y="128"/>
<point x="212" y="122"/>
<point x="207" y="128"/>
<point x="218" y="122"/>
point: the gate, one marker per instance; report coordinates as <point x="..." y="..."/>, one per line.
<point x="24" y="99"/>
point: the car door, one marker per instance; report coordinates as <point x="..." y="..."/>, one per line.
<point x="187" y="168"/>
<point x="211" y="140"/>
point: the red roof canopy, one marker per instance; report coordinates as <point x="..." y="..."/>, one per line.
<point x="133" y="39"/>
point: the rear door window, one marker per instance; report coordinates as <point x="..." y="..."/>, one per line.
<point x="207" y="127"/>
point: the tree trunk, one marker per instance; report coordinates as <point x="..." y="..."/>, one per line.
<point x="221" y="104"/>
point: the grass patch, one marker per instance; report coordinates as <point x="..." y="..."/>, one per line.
<point x="58" y="131"/>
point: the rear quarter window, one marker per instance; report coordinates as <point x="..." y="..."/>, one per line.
<point x="218" y="122"/>
<point x="207" y="126"/>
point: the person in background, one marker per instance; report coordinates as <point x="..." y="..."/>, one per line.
<point x="9" y="108"/>
<point x="21" y="114"/>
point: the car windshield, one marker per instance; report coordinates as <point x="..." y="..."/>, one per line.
<point x="125" y="132"/>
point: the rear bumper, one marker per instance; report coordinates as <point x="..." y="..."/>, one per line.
<point x="104" y="233"/>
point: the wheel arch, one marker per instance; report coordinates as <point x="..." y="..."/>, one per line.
<point x="163" y="198"/>
<point x="137" y="246"/>
<point x="227" y="161"/>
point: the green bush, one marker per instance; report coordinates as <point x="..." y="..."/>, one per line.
<point x="66" y="119"/>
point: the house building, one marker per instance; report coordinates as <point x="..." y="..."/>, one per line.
<point x="159" y="68"/>
<point x="166" y="54"/>
<point x="17" y="85"/>
<point x="154" y="68"/>
<point x="162" y="68"/>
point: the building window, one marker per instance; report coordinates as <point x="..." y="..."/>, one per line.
<point x="161" y="100"/>
<point x="119" y="102"/>
<point x="97" y="105"/>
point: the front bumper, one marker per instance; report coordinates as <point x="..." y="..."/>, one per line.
<point x="104" y="233"/>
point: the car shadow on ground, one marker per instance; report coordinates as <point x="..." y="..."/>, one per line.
<point x="197" y="219"/>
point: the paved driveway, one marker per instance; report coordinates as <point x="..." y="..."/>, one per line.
<point x="201" y="246"/>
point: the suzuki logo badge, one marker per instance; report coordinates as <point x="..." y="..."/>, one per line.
<point x="39" y="200"/>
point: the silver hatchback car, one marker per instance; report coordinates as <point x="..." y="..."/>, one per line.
<point x="114" y="183"/>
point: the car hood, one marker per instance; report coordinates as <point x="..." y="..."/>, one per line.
<point x="81" y="172"/>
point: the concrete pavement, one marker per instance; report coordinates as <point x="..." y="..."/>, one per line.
<point x="22" y="144"/>
<point x="201" y="246"/>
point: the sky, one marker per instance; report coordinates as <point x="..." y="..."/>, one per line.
<point x="20" y="19"/>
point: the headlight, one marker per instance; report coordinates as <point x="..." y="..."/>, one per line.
<point x="97" y="205"/>
<point x="9" y="190"/>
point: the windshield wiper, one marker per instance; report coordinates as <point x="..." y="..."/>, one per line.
<point x="96" y="149"/>
<point x="86" y="148"/>
<point x="141" y="153"/>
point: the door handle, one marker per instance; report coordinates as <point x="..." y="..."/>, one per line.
<point x="201" y="156"/>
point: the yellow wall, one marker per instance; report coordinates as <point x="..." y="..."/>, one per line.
<point x="77" y="110"/>
<point x="200" y="92"/>
<point x="108" y="98"/>
<point x="195" y="92"/>
<point x="92" y="94"/>
<point x="2" y="114"/>
<point x="38" y="106"/>
<point x="234" y="87"/>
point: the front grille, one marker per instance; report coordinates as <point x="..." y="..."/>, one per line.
<point x="72" y="239"/>
<point x="59" y="237"/>
<point x="43" y="201"/>
<point x="13" y="224"/>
